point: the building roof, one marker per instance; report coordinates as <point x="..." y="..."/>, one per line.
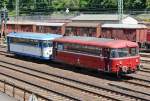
<point x="36" y="23"/>
<point x="35" y="36"/>
<point x="100" y="17"/>
<point x="21" y="23"/>
<point x="99" y="42"/>
<point x="126" y="26"/>
<point x="49" y="24"/>
<point x="129" y="20"/>
<point x="80" y="24"/>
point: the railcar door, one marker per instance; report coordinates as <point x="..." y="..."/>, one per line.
<point x="106" y="55"/>
<point x="57" y="47"/>
<point x="8" y="43"/>
<point x="54" y="49"/>
<point x="133" y="61"/>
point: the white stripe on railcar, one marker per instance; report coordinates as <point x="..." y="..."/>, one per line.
<point x="25" y="49"/>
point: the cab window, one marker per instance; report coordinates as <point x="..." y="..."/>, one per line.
<point x="134" y="51"/>
<point x="120" y="52"/>
<point x="47" y="44"/>
<point x="114" y="53"/>
<point x="123" y="52"/>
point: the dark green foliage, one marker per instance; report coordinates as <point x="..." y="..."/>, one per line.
<point x="51" y="5"/>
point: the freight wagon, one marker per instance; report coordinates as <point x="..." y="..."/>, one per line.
<point x="132" y="32"/>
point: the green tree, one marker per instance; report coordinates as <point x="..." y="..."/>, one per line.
<point x="45" y="5"/>
<point x="56" y="4"/>
<point x="101" y="4"/>
<point x="3" y="3"/>
<point x="75" y="4"/>
<point x="135" y="4"/>
<point x="148" y="4"/>
<point x="139" y="4"/>
<point x="95" y="3"/>
<point x="83" y="3"/>
<point x="109" y="4"/>
<point x="10" y="4"/>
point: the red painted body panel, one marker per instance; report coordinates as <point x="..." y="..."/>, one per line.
<point x="97" y="62"/>
<point x="130" y="62"/>
<point x="80" y="60"/>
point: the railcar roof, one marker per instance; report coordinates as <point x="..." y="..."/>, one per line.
<point x="100" y="42"/>
<point x="35" y="36"/>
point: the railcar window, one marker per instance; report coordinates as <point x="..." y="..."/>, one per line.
<point x="47" y="43"/>
<point x="60" y="46"/>
<point x="91" y="50"/>
<point x="123" y="52"/>
<point x="114" y="53"/>
<point x="134" y="51"/>
<point x="25" y="41"/>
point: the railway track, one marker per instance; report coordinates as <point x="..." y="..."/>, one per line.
<point x="138" y="83"/>
<point x="97" y="90"/>
<point x="45" y="94"/>
<point x="3" y="52"/>
<point x="145" y="58"/>
<point x="142" y="54"/>
<point x="82" y="87"/>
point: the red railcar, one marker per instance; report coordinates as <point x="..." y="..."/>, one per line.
<point x="109" y="55"/>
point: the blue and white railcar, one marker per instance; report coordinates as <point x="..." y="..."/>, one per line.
<point x="31" y="44"/>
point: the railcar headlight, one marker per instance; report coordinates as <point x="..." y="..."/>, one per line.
<point x="124" y="69"/>
<point x="136" y="60"/>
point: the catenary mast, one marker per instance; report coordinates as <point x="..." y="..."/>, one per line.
<point x="120" y="10"/>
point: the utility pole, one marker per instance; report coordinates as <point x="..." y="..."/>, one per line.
<point x="1" y="30"/>
<point x="4" y="19"/>
<point x="120" y="10"/>
<point x="17" y="10"/>
<point x="17" y="14"/>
